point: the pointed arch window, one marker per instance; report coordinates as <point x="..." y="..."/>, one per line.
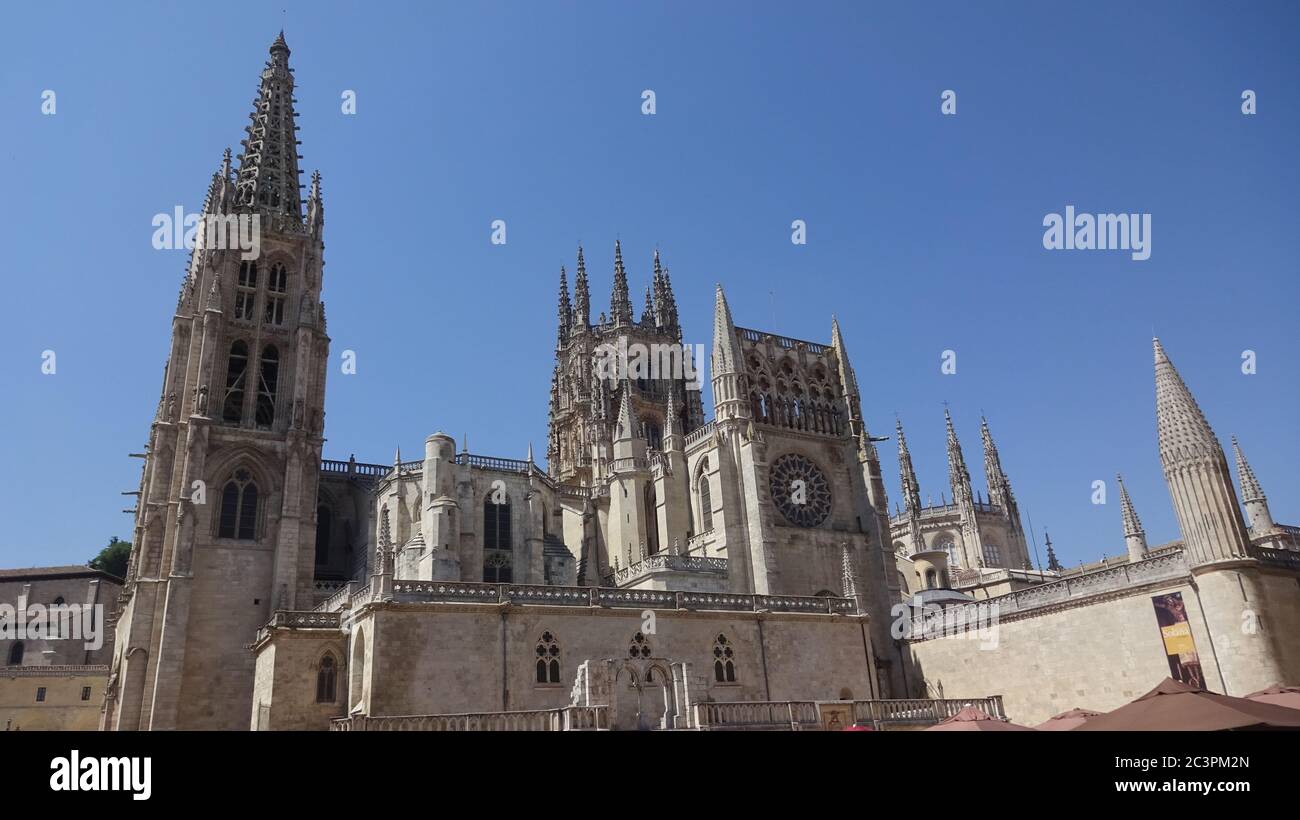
<point x="277" y="289"/>
<point x="267" y="383"/>
<point x="16" y="654"/>
<point x="496" y="523"/>
<point x="327" y="676"/>
<point x="239" y="507"/>
<point x="246" y="291"/>
<point x="651" y="518"/>
<point x="236" y="380"/>
<point x="724" y="660"/>
<point x="548" y="658"/>
<point x="706" y="500"/>
<point x="992" y="555"/>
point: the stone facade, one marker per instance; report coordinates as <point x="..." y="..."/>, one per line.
<point x="49" y="682"/>
<point x="428" y="587"/>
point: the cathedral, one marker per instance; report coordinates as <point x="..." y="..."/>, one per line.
<point x="668" y="566"/>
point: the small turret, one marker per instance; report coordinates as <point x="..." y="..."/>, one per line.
<point x="1135" y="539"/>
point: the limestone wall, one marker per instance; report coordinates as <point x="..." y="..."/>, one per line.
<point x="1103" y="652"/>
<point x="63" y="707"/>
<point x="438" y="659"/>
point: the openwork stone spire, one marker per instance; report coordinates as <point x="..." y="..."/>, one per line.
<point x="907" y="475"/>
<point x="999" y="485"/>
<point x="268" y="166"/>
<point x="620" y="302"/>
<point x="958" y="474"/>
<point x="648" y="312"/>
<point x="564" y="312"/>
<point x="581" y="294"/>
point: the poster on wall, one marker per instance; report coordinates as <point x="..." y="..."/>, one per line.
<point x="1176" y="632"/>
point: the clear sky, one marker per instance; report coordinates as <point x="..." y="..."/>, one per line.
<point x="924" y="230"/>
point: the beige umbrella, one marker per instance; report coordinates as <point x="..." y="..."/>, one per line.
<point x="1174" y="706"/>
<point x="1066" y="721"/>
<point x="971" y="719"/>
<point x="1278" y="695"/>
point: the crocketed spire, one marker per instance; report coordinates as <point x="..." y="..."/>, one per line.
<point x="1252" y="496"/>
<point x="1052" y="563"/>
<point x="726" y="350"/>
<point x="268" y="166"/>
<point x="1196" y="471"/>
<point x="1250" y="489"/>
<point x="581" y="294"/>
<point x="564" y="311"/>
<point x="906" y="474"/>
<point x="958" y="474"/>
<point x="1132" y="526"/>
<point x="1183" y="431"/>
<point x="620" y="302"/>
<point x="648" y="312"/>
<point x="1000" y="493"/>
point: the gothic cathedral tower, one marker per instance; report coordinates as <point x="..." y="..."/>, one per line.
<point x="225" y="526"/>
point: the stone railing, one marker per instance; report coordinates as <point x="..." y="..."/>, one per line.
<point x="506" y="465"/>
<point x="1283" y="558"/>
<point x="1168" y="567"/>
<point x="922" y="711"/>
<point x="339" y="599"/>
<point x="310" y="619"/>
<point x="566" y="719"/>
<point x="69" y="669"/>
<point x="805" y="714"/>
<point x="536" y="594"/>
<point x="301" y="619"/>
<point x="574" y="491"/>
<point x="675" y="563"/>
<point x="625" y="465"/>
<point x="787" y="714"/>
<point x="700" y="433"/>
<point x="354" y="467"/>
<point x="757" y="336"/>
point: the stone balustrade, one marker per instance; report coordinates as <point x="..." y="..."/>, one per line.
<point x="354" y="467"/>
<point x="700" y="433"/>
<point x="65" y="669"/>
<point x="803" y="715"/>
<point x="1168" y="567"/>
<point x="1283" y="558"/>
<point x="536" y="594"/>
<point x="566" y="719"/>
<point x="667" y="562"/>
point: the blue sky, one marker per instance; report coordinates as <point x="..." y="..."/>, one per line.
<point x="924" y="231"/>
